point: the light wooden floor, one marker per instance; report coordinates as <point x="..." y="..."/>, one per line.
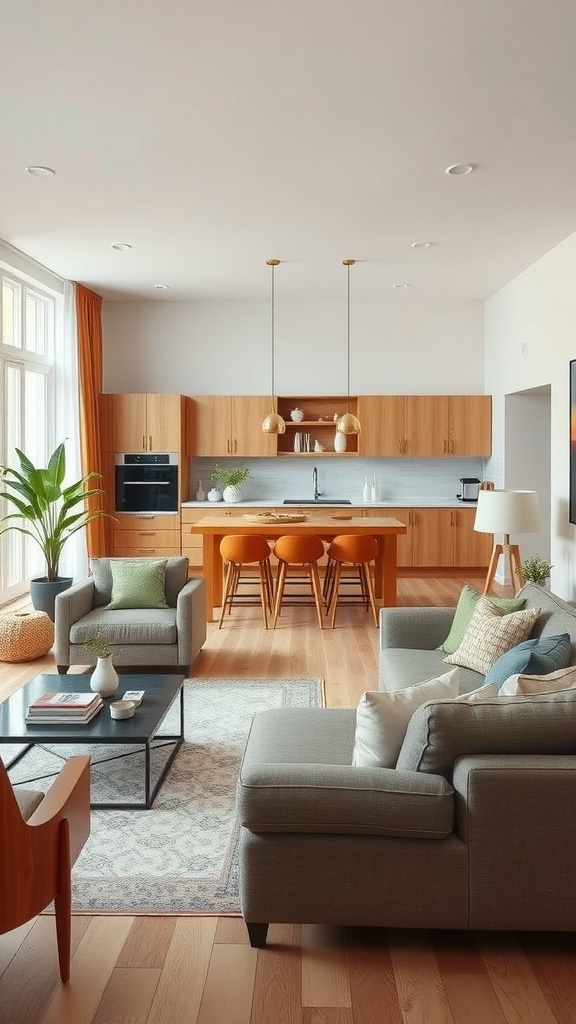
<point x="131" y="970"/>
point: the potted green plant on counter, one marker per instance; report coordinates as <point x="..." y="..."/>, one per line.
<point x="535" y="570"/>
<point x="231" y="481"/>
<point x="49" y="513"/>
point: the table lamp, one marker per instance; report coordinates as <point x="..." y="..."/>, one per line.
<point x="506" y="512"/>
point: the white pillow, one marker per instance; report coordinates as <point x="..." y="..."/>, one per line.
<point x="562" y="679"/>
<point x="487" y="692"/>
<point x="490" y="633"/>
<point x="383" y="715"/>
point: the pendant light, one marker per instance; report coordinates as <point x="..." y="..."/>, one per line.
<point x="273" y="423"/>
<point x="348" y="424"/>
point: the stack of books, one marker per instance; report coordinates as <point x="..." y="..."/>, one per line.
<point x="59" y="708"/>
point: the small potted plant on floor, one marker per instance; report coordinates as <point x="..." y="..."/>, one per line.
<point x="535" y="570"/>
<point x="49" y="513"/>
<point x="231" y="480"/>
<point x="104" y="679"/>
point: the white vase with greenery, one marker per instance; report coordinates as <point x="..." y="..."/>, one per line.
<point x="231" y="480"/>
<point x="104" y="679"/>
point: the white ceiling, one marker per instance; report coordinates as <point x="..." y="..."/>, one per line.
<point x="212" y="134"/>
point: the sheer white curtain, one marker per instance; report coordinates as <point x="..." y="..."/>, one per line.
<point x="74" y="561"/>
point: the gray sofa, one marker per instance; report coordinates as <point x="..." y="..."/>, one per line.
<point x="166" y="638"/>
<point x="409" y="638"/>
<point x="473" y="829"/>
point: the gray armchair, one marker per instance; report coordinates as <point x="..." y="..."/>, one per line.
<point x="151" y="637"/>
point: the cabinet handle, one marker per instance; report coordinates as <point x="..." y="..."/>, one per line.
<point x="145" y="517"/>
<point x="399" y="446"/>
<point x="146" y="551"/>
<point x="146" y="533"/>
<point x="235" y="446"/>
<point x="150" y="442"/>
<point x="228" y="446"/>
<point x="143" y="443"/>
<point x="452" y="518"/>
<point x="451" y="446"/>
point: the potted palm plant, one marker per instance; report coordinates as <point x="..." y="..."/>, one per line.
<point x="49" y="513"/>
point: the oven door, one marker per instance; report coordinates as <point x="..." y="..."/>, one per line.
<point x="146" y="488"/>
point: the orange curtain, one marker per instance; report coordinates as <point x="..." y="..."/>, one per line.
<point x="89" y="327"/>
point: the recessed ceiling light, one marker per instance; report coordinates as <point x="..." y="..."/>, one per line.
<point x="37" y="171"/>
<point x="121" y="246"/>
<point x="460" y="169"/>
<point x="401" y="284"/>
<point x="422" y="245"/>
<point x="162" y="287"/>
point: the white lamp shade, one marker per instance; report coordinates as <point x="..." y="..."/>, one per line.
<point x="507" y="512"/>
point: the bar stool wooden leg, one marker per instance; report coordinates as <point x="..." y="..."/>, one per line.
<point x="367" y="575"/>
<point x="264" y="592"/>
<point x="280" y="579"/>
<point x="315" y="578"/>
<point x="336" y="585"/>
<point x="228" y="589"/>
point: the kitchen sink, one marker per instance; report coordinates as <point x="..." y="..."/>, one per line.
<point x="316" y="501"/>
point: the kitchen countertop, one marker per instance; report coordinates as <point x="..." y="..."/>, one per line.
<point x="270" y="503"/>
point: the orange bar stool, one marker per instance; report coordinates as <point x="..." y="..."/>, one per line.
<point x="304" y="552"/>
<point x="360" y="553"/>
<point x="240" y="550"/>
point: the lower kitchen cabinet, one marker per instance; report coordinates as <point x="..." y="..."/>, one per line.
<point x="146" y="535"/>
<point x="439" y="538"/>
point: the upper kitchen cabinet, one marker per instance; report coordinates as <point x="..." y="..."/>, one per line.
<point x="425" y="425"/>
<point x="231" y="425"/>
<point x="383" y="427"/>
<point x="150" y="422"/>
<point x="313" y="432"/>
<point x="448" y="425"/>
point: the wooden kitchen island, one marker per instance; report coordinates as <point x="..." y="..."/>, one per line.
<point x="214" y="528"/>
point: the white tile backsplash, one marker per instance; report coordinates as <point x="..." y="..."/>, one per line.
<point x="403" y="481"/>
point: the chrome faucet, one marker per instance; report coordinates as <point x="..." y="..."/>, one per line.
<point x="315" y="483"/>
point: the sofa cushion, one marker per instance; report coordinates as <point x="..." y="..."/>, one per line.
<point x="124" y="627"/>
<point x="491" y="633"/>
<point x="537" y="656"/>
<point x="138" y="583"/>
<point x="563" y="679"/>
<point x="292" y="779"/>
<point x="441" y="731"/>
<point x="400" y="667"/>
<point x="382" y="717"/>
<point x="175" y="578"/>
<point x="467" y="602"/>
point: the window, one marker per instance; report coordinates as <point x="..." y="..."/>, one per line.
<point x="28" y="319"/>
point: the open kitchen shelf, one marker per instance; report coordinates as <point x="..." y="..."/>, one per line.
<point x="318" y="421"/>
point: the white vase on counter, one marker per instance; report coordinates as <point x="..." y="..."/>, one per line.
<point x="232" y="493"/>
<point x="214" y="495"/>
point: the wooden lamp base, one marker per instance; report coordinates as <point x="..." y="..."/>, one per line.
<point x="511" y="555"/>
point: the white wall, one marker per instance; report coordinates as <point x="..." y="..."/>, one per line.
<point x="538" y="310"/>
<point x="401" y="345"/>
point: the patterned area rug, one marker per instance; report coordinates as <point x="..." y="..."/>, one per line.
<point x="180" y="857"/>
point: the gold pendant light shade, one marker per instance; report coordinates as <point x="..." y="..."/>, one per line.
<point x="348" y="423"/>
<point x="273" y="423"/>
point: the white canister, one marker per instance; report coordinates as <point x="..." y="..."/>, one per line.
<point x="297" y="415"/>
<point x="339" y="442"/>
<point x="214" y="495"/>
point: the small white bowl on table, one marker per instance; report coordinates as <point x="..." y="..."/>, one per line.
<point x="122" y="709"/>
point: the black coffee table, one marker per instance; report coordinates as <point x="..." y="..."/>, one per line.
<point x="138" y="731"/>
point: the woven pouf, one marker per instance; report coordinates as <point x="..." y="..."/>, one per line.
<point x="25" y="636"/>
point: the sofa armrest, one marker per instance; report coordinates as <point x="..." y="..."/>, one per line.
<point x="421" y="629"/>
<point x="71" y="605"/>
<point x="321" y="798"/>
<point x="191" y="620"/>
<point x="516" y="815"/>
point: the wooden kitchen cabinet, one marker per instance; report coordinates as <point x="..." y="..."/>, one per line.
<point x="143" y="422"/>
<point x="318" y="421"/>
<point x="146" y="535"/>
<point x="231" y="425"/>
<point x="439" y="538"/>
<point x="425" y="425"/>
<point x="448" y="425"/>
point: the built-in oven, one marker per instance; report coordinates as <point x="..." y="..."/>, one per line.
<point x="147" y="482"/>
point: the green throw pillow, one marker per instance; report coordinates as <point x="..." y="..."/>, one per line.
<point x="464" y="609"/>
<point x="138" y="583"/>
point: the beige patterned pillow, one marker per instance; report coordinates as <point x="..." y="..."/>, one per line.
<point x="490" y="634"/>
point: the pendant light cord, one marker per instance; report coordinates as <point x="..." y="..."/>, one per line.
<point x="272" y="329"/>
<point x="348" y="264"/>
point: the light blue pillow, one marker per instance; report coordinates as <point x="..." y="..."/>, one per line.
<point x="535" y="657"/>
